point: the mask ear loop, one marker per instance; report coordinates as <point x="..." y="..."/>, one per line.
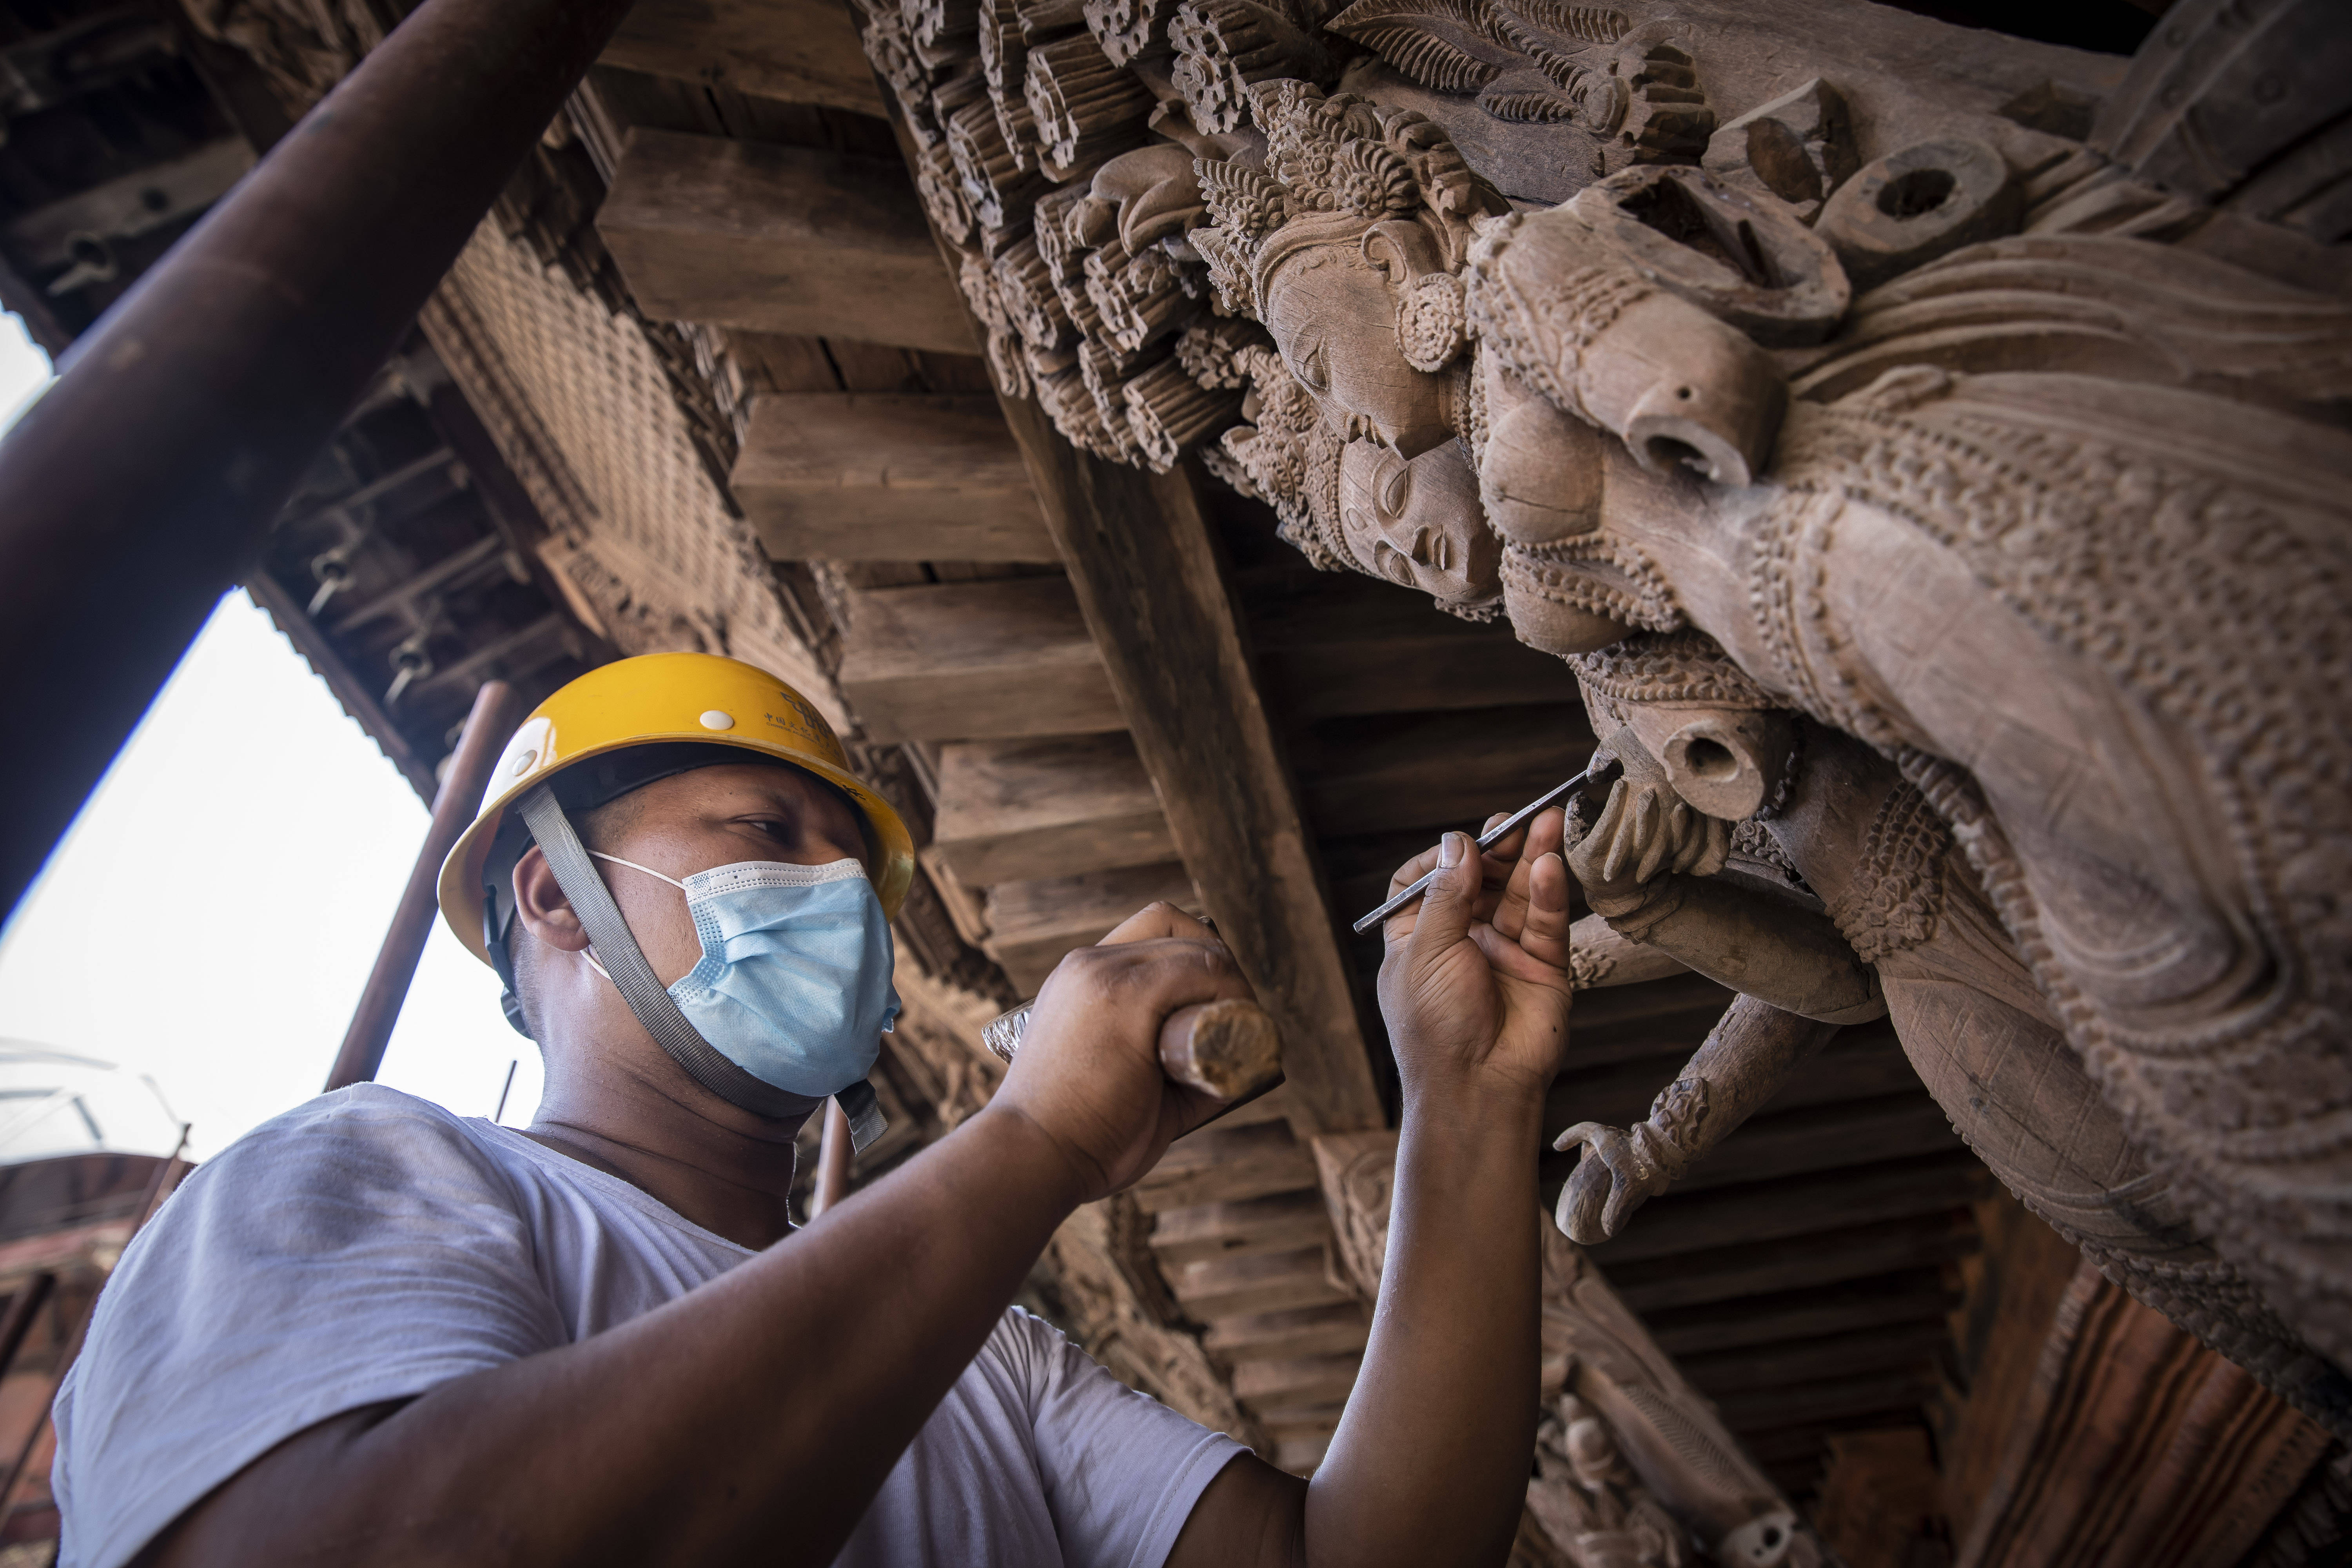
<point x="608" y="931"/>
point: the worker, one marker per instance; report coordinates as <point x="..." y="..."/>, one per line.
<point x="372" y="1331"/>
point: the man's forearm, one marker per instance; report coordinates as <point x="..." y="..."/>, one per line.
<point x="757" y="1414"/>
<point x="1430" y="1462"/>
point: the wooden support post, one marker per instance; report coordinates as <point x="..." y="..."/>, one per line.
<point x="1153" y="586"/>
<point x="139" y="488"/>
<point x="1151" y="582"/>
<point x="778" y="240"/>
<point x="487" y="728"/>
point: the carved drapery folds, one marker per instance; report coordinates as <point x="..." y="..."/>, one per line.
<point x="1807" y="369"/>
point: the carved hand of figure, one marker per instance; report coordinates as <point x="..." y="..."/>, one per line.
<point x="1626" y="1167"/>
<point x="1613" y="1180"/>
<point x="1474" y="983"/>
<point x="1644" y="831"/>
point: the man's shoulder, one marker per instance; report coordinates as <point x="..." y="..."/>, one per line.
<point x="364" y="1137"/>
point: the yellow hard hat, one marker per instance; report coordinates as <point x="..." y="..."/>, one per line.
<point x="662" y="699"/>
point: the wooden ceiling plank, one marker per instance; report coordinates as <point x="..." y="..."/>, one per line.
<point x="1428" y="667"/>
<point x="1752" y="1368"/>
<point x="1244" y="1286"/>
<point x="1435" y="770"/>
<point x="1279" y="1336"/>
<point x="778" y="240"/>
<point x="804" y="51"/>
<point x="1799" y="1206"/>
<point x="1283" y="1223"/>
<point x="1016" y="811"/>
<point x="974" y="661"/>
<point x="866" y="476"/>
<point x="1760" y="1268"/>
<point x="1919" y="1297"/>
<point x="1032" y="926"/>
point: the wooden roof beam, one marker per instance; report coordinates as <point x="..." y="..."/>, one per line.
<point x="973" y="660"/>
<point x="778" y="240"/>
<point x="803" y="51"/>
<point x="1152" y="586"/>
<point x="847" y="476"/>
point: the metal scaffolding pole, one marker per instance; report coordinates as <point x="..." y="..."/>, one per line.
<point x="494" y="718"/>
<point x="140" y="488"/>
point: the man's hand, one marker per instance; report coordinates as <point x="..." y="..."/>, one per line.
<point x="1474" y="983"/>
<point x="1089" y="1074"/>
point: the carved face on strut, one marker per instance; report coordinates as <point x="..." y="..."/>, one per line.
<point x="1346" y="244"/>
<point x="1417" y="524"/>
<point x="1332" y="308"/>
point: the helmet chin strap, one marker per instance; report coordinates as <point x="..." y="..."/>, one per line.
<point x="649" y="999"/>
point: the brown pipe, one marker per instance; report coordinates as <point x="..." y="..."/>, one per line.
<point x="140" y="488"/>
<point x="493" y="718"/>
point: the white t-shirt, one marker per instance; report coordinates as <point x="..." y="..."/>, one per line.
<point x="367" y="1246"/>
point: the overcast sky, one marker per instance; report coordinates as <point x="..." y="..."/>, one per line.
<point x="216" y="907"/>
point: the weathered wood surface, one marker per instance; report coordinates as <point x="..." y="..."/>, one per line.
<point x="1418" y="770"/>
<point x="1283" y="1223"/>
<point x="968" y="660"/>
<point x="1032" y="925"/>
<point x="1381" y="651"/>
<point x="778" y="240"/>
<point x="1919" y="1298"/>
<point x="1147" y="570"/>
<point x="1267" y="1282"/>
<point x="1798" y="1206"/>
<point x="1219" y="1166"/>
<point x="1019" y="810"/>
<point x="1280" y="1336"/>
<point x="1762" y="1269"/>
<point x="803" y="51"/>
<point x="867" y="477"/>
<point x="2014" y="1288"/>
<point x="2136" y="1445"/>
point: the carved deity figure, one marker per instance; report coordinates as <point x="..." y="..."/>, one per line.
<point x="1879" y="911"/>
<point x="2051" y="521"/>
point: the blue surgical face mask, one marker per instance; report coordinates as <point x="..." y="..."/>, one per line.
<point x="794" y="982"/>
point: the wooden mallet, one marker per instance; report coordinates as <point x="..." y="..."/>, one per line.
<point x="1229" y="1050"/>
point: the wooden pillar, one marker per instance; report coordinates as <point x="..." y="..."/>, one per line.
<point x="137" y="490"/>
<point x="1152" y="586"/>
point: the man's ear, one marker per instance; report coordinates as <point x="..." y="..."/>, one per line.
<point x="540" y="906"/>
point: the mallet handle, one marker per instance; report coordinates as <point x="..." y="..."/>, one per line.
<point x="1229" y="1050"/>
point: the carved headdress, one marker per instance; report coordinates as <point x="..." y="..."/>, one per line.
<point x="1336" y="167"/>
<point x="1288" y="457"/>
